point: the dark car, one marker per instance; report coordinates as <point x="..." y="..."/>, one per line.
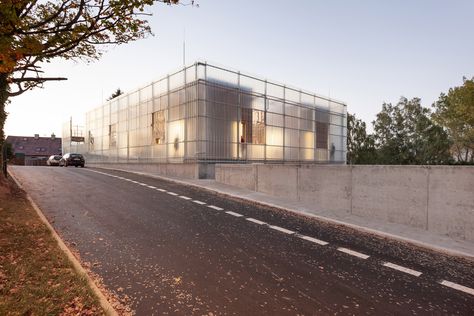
<point x="53" y="160"/>
<point x="75" y="160"/>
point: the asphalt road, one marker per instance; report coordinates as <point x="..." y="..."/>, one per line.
<point x="180" y="250"/>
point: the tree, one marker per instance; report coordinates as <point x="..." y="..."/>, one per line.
<point x="9" y="151"/>
<point x="36" y="32"/>
<point x="455" y="112"/>
<point x="117" y="93"/>
<point x="406" y="134"/>
<point x="360" y="145"/>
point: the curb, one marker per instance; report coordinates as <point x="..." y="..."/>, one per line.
<point x="372" y="231"/>
<point x="104" y="303"/>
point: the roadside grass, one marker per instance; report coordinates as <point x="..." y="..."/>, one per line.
<point x="36" y="278"/>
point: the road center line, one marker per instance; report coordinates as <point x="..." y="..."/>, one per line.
<point x="151" y="187"/>
<point x="315" y="240"/>
<point x="458" y="287"/>
<point x="353" y="253"/>
<point x="215" y="207"/>
<point x="256" y="221"/>
<point x="281" y="229"/>
<point x="161" y="190"/>
<point x="234" y="214"/>
<point x="172" y="193"/>
<point x="185" y="197"/>
<point x="199" y="202"/>
<point x="402" y="269"/>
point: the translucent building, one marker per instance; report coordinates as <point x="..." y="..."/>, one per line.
<point x="206" y="114"/>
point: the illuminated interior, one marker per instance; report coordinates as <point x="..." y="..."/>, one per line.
<point x="204" y="113"/>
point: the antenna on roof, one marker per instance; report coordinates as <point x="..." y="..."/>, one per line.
<point x="184" y="48"/>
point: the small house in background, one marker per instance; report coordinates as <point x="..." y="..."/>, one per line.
<point x="34" y="151"/>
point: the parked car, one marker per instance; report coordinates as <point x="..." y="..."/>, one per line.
<point x="70" y="159"/>
<point x="53" y="160"/>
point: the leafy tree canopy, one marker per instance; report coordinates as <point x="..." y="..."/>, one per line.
<point x="406" y="134"/>
<point x="360" y="145"/>
<point x="455" y="112"/>
<point x="117" y="93"/>
<point x="33" y="32"/>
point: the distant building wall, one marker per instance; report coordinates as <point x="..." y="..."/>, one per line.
<point x="439" y="199"/>
<point x="34" y="150"/>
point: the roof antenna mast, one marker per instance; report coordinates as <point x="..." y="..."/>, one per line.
<point x="184" y="48"/>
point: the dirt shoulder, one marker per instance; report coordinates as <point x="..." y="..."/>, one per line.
<point x="36" y="278"/>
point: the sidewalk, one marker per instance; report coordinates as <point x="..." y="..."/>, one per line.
<point x="403" y="233"/>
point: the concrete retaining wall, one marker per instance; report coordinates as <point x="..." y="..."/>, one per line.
<point x="242" y="176"/>
<point x="439" y="199"/>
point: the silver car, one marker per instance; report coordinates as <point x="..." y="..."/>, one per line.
<point x="53" y="160"/>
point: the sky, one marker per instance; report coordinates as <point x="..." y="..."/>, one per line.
<point x="364" y="53"/>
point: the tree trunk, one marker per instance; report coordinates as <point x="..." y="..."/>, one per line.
<point x="3" y="117"/>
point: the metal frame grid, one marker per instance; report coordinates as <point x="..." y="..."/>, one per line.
<point x="212" y="114"/>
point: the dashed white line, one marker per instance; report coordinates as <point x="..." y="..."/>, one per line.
<point x="185" y="197"/>
<point x="353" y="253"/>
<point x="161" y="190"/>
<point x="315" y="240"/>
<point x="199" y="202"/>
<point x="401" y="269"/>
<point x="256" y="221"/>
<point x="172" y="193"/>
<point x="151" y="187"/>
<point x="234" y="214"/>
<point x="281" y="229"/>
<point x="215" y="207"/>
<point x="458" y="287"/>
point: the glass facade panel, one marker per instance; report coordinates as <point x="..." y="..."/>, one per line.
<point x="205" y="113"/>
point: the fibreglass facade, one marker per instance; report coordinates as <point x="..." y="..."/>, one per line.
<point x="205" y="113"/>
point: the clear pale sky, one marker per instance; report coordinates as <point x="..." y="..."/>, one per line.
<point x="361" y="52"/>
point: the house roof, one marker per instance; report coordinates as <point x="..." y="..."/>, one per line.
<point x="35" y="146"/>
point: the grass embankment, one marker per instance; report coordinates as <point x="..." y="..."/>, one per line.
<point x="36" y="278"/>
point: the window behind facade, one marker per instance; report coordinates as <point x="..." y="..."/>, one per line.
<point x="252" y="126"/>
<point x="322" y="135"/>
<point x="258" y="126"/>
<point x="113" y="135"/>
<point x="158" y="127"/>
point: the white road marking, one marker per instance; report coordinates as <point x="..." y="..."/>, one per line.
<point x="171" y="193"/>
<point x="458" y="287"/>
<point x="199" y="202"/>
<point x="161" y="190"/>
<point x="353" y="253"/>
<point x="135" y="181"/>
<point x="402" y="269"/>
<point x="215" y="207"/>
<point x="185" y="197"/>
<point x="234" y="214"/>
<point x="256" y="221"/>
<point x="151" y="187"/>
<point x="144" y="184"/>
<point x="281" y="229"/>
<point x="315" y="240"/>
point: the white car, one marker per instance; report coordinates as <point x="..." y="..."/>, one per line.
<point x="53" y="160"/>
